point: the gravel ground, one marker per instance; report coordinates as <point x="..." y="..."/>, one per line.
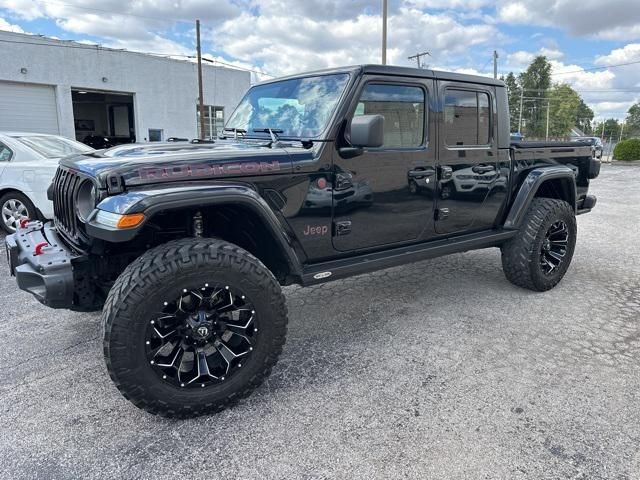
<point x="439" y="369"/>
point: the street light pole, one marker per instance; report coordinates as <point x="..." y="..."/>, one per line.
<point x="548" y="110"/>
<point x="520" y="119"/>
<point x="384" y="32"/>
<point x="495" y="64"/>
<point x="200" y="93"/>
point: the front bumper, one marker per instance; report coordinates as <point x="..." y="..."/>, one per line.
<point x="48" y="276"/>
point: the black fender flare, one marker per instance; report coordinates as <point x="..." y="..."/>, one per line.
<point x="532" y="182"/>
<point x="158" y="199"/>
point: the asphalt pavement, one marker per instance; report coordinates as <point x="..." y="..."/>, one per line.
<point x="440" y="369"/>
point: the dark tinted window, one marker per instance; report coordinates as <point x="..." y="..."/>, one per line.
<point x="5" y="153"/>
<point x="403" y="110"/>
<point x="467" y="118"/>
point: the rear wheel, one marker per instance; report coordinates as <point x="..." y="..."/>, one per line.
<point x="15" y="206"/>
<point x="192" y="326"/>
<point x="539" y="255"/>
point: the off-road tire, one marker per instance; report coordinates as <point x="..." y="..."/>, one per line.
<point x="30" y="213"/>
<point x="521" y="254"/>
<point x="166" y="269"/>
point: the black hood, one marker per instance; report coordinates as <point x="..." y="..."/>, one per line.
<point x="222" y="160"/>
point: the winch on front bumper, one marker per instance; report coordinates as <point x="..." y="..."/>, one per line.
<point x="43" y="265"/>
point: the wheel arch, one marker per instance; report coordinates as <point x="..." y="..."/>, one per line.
<point x="5" y="190"/>
<point x="549" y="182"/>
<point x="235" y="213"/>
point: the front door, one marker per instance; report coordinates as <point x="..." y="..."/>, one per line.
<point x="385" y="195"/>
<point x="469" y="180"/>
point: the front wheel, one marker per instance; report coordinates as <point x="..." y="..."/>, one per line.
<point x="192" y="326"/>
<point x="540" y="254"/>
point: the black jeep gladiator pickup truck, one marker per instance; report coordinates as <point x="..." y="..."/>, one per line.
<point x="316" y="177"/>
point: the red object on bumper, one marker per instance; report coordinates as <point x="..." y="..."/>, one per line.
<point x="23" y="222"/>
<point x="39" y="248"/>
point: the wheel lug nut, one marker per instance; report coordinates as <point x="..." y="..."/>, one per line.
<point x="182" y="384"/>
<point x="152" y="362"/>
<point x="202" y="385"/>
<point x="148" y="342"/>
<point x="152" y="322"/>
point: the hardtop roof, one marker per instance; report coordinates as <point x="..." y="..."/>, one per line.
<point x="397" y="71"/>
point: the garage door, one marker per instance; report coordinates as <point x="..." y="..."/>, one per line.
<point x="28" y="108"/>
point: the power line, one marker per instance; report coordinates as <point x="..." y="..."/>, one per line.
<point x="597" y="68"/>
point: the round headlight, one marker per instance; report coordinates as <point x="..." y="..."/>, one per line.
<point x="86" y="200"/>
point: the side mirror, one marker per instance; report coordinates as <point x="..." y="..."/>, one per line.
<point x="367" y="131"/>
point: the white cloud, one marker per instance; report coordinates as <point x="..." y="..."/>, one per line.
<point x="613" y="19"/>
<point x="270" y="39"/>
<point x="8" y="27"/>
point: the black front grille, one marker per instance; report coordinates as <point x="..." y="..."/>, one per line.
<point x="66" y="184"/>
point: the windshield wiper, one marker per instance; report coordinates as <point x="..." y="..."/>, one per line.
<point x="273" y="133"/>
<point x="235" y="131"/>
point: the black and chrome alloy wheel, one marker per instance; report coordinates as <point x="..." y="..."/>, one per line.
<point x="202" y="337"/>
<point x="554" y="247"/>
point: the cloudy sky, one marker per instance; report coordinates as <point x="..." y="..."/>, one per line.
<point x="586" y="40"/>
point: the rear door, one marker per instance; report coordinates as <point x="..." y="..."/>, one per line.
<point x="385" y="195"/>
<point x="468" y="174"/>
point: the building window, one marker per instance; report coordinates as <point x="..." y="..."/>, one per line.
<point x="402" y="108"/>
<point x="466" y="118"/>
<point x="155" y="134"/>
<point x="213" y="121"/>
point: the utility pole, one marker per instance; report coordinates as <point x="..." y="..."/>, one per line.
<point x="621" y="131"/>
<point x="417" y="57"/>
<point x="495" y="64"/>
<point x="520" y="119"/>
<point x="200" y="94"/>
<point x="548" y="110"/>
<point x="384" y="32"/>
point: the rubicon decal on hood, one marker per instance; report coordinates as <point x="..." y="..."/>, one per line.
<point x="208" y="170"/>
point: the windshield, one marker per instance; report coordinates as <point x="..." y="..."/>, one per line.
<point x="300" y="107"/>
<point x="54" y="147"/>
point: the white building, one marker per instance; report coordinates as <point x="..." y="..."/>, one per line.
<point x="77" y="90"/>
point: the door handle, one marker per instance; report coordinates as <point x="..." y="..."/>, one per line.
<point x="421" y="173"/>
<point x="483" y="169"/>
<point x="446" y="172"/>
<point x="343" y="181"/>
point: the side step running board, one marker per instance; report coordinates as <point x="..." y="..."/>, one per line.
<point x="368" y="262"/>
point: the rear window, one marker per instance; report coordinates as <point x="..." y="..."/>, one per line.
<point x="466" y="118"/>
<point x="53" y="147"/>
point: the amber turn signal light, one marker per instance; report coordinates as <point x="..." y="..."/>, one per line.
<point x="131" y="220"/>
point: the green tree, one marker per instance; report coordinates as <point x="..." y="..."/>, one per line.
<point x="611" y="129"/>
<point x="632" y="122"/>
<point x="535" y="81"/>
<point x="513" y="93"/>
<point x="563" y="105"/>
<point x="584" y="118"/>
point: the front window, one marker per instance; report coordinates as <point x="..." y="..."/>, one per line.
<point x="53" y="147"/>
<point x="300" y="107"/>
<point x="403" y="109"/>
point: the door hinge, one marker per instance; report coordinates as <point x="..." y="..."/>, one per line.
<point x="442" y="213"/>
<point x="343" y="228"/>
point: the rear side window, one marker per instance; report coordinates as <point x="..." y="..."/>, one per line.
<point x="402" y="107"/>
<point x="5" y="153"/>
<point x="467" y="118"/>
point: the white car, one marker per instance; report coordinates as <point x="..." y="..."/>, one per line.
<point x="28" y="162"/>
